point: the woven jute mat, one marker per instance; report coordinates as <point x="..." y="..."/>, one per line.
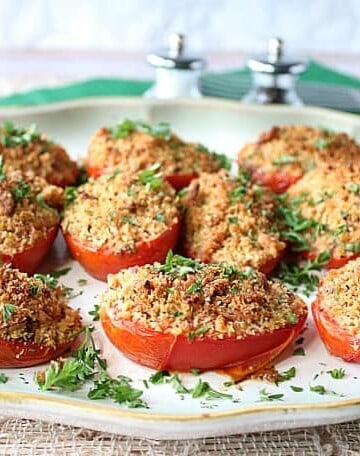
<point x="26" y="437"/>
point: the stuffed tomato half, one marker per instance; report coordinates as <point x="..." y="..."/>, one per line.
<point x="184" y="314"/>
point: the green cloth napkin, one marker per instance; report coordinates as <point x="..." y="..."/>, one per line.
<point x="126" y="87"/>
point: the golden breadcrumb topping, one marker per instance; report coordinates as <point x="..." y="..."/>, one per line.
<point x="196" y="299"/>
<point x="232" y="220"/>
<point x="340" y="296"/>
<point x="26" y="149"/>
<point x="331" y="197"/>
<point x="139" y="150"/>
<point x="32" y="311"/>
<point x="28" y="210"/>
<point x="296" y="149"/>
<point x="119" y="211"/>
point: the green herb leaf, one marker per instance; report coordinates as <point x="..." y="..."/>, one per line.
<point x="177" y="385"/>
<point x="320" y="389"/>
<point x="202" y="389"/>
<point x="353" y="247"/>
<point x="95" y="313"/>
<point x="159" y="377"/>
<point x="2" y="172"/>
<point x="21" y="191"/>
<point x="299" y="352"/>
<point x="151" y="178"/>
<point x="265" y="396"/>
<point x="286" y="375"/>
<point x="82" y="282"/>
<point x="353" y="187"/>
<point x="70" y="195"/>
<point x="129" y="220"/>
<point x="297" y="389"/>
<point x="234" y="220"/>
<point x="321" y="143"/>
<point x="7" y="310"/>
<point x="125" y="128"/>
<point x="337" y="373"/>
<point x="284" y="160"/>
<point x="198" y="332"/>
<point x="3" y="378"/>
<point x="160" y="218"/>
<point x="12" y="136"/>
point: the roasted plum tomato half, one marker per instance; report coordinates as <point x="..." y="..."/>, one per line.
<point x="231" y="219"/>
<point x="326" y="203"/>
<point x="336" y="311"/>
<point x="184" y="314"/>
<point x="134" y="146"/>
<point x="36" y="323"/>
<point x="121" y="220"/>
<point x="28" y="150"/>
<point x="282" y="155"/>
<point x="29" y="218"/>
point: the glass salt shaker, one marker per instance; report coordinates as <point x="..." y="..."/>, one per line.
<point x="177" y="72"/>
<point x="274" y="76"/>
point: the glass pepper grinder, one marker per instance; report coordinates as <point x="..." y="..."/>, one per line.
<point x="177" y="72"/>
<point x="274" y="76"/>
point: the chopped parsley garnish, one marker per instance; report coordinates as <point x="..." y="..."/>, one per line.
<point x="337" y="373"/>
<point x="95" y="313"/>
<point x="284" y="160"/>
<point x="130" y="220"/>
<point x="198" y="332"/>
<point x="296" y="389"/>
<point x="295" y="225"/>
<point x="21" y="191"/>
<point x="82" y="282"/>
<point x="355" y="188"/>
<point x="202" y="389"/>
<point x="176" y="383"/>
<point x="160" y="218"/>
<point x="3" y="379"/>
<point x="320" y="389"/>
<point x="7" y="310"/>
<point x="2" y="172"/>
<point x="299" y="352"/>
<point x="195" y="287"/>
<point x="179" y="265"/>
<point x="321" y="143"/>
<point x="296" y="276"/>
<point x="243" y="180"/>
<point x="265" y="396"/>
<point x="85" y="365"/>
<point x="339" y="231"/>
<point x="292" y="318"/>
<point x="195" y="371"/>
<point x="34" y="289"/>
<point x="159" y="377"/>
<point x="353" y="247"/>
<point x="70" y="195"/>
<point x="41" y="202"/>
<point x="286" y="375"/>
<point x="125" y="128"/>
<point x="233" y="220"/>
<point x="151" y="178"/>
<point x="11" y="136"/>
<point x="51" y="278"/>
<point x="223" y="160"/>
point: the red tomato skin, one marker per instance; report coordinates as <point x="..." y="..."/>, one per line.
<point x="277" y="181"/>
<point x="180" y="181"/>
<point x="336" y="340"/>
<point x="101" y="262"/>
<point x="162" y="351"/>
<point x="177" y="181"/>
<point x="333" y="263"/>
<point x="25" y="354"/>
<point x="29" y="259"/>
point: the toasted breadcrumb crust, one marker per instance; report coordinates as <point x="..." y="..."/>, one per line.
<point x="28" y="210"/>
<point x="340" y="296"/>
<point x="140" y="150"/>
<point x="296" y="149"/>
<point x="42" y="157"/>
<point x="331" y="196"/>
<point x="209" y="301"/>
<point x="39" y="314"/>
<point x="222" y="223"/>
<point x="118" y="212"/>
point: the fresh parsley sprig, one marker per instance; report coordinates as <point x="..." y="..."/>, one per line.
<point x="12" y="136"/>
<point x="306" y="275"/>
<point x="125" y="128"/>
<point x="85" y="365"/>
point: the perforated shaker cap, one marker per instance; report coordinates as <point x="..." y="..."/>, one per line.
<point x="175" y="56"/>
<point x="275" y="61"/>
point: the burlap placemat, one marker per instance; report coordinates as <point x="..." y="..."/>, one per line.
<point x="26" y="437"/>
